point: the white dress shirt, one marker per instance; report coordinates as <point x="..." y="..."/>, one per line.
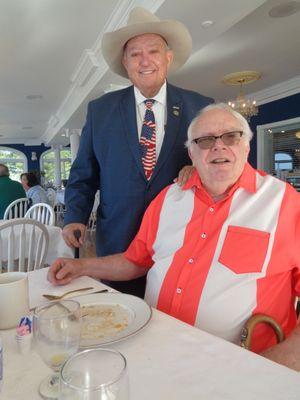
<point x="159" y="110"/>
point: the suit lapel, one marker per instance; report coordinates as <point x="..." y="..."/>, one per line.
<point x="128" y="114"/>
<point x="174" y="112"/>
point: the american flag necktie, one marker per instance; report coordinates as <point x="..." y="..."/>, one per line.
<point x="148" y="139"/>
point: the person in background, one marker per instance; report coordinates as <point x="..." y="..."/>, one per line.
<point x="132" y="145"/>
<point x="34" y="192"/>
<point x="9" y="190"/>
<point x="223" y="249"/>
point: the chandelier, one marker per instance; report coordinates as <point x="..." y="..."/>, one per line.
<point x="241" y="104"/>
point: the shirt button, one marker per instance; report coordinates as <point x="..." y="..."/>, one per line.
<point x="191" y="260"/>
<point x="178" y="290"/>
<point x="211" y="209"/>
<point x="203" y="235"/>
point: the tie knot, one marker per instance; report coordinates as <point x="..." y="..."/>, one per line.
<point x="149" y="103"/>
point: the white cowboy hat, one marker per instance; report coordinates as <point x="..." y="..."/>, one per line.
<point x="142" y="21"/>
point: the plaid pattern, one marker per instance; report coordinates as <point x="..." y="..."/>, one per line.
<point x="148" y="139"/>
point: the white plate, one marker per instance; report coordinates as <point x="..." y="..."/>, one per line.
<point x="137" y="310"/>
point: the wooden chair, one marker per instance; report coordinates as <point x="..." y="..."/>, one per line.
<point x="42" y="212"/>
<point x="23" y="245"/>
<point x="17" y="209"/>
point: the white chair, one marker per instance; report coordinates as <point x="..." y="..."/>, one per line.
<point x="91" y="225"/>
<point x="51" y="195"/>
<point x="23" y="245"/>
<point x="59" y="210"/>
<point x="17" y="209"/>
<point x="42" y="212"/>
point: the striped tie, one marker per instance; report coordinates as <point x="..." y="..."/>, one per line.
<point x="148" y="140"/>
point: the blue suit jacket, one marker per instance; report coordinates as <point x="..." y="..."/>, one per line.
<point x="109" y="159"/>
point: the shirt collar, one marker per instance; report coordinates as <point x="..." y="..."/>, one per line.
<point x="246" y="181"/>
<point x="160" y="97"/>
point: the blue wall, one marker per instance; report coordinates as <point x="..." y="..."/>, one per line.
<point x="279" y="110"/>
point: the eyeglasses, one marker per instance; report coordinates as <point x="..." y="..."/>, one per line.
<point x="228" y="138"/>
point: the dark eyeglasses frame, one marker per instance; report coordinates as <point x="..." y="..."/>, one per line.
<point x="200" y="140"/>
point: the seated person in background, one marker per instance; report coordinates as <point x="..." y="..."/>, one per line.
<point x="33" y="189"/>
<point x="9" y="190"/>
<point x="219" y="250"/>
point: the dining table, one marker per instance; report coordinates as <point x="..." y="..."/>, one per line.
<point x="167" y="360"/>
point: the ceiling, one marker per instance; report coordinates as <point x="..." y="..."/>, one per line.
<point x="51" y="61"/>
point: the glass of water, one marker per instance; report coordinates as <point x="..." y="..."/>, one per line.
<point x="95" y="374"/>
<point x="56" y="329"/>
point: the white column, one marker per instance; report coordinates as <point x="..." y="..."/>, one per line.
<point x="74" y="136"/>
<point x="56" y="148"/>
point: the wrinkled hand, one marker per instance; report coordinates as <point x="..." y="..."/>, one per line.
<point x="64" y="270"/>
<point x="69" y="236"/>
<point x="184" y="175"/>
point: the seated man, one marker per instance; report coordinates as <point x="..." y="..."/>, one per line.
<point x="221" y="249"/>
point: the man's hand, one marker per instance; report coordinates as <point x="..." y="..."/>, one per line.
<point x="184" y="175"/>
<point x="69" y="236"/>
<point x="64" y="270"/>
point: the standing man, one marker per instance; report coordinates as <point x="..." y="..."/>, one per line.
<point x="9" y="190"/>
<point x="132" y="145"/>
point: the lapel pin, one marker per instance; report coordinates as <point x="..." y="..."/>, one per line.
<point x="176" y="110"/>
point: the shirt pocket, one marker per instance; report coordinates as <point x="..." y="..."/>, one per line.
<point x="244" y="249"/>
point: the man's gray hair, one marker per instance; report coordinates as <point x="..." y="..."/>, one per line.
<point x="4" y="171"/>
<point x="219" y="106"/>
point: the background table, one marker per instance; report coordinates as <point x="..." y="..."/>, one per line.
<point x="57" y="246"/>
<point x="169" y="360"/>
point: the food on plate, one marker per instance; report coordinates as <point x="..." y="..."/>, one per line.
<point x="103" y="320"/>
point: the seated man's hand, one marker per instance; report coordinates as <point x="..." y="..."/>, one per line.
<point x="70" y="237"/>
<point x="184" y="175"/>
<point x="64" y="270"/>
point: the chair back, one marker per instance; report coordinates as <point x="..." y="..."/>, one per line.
<point x="42" y="212"/>
<point x="17" y="209"/>
<point x="23" y="245"/>
<point x="59" y="210"/>
<point x="51" y="195"/>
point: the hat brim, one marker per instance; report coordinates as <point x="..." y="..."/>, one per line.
<point x="174" y="32"/>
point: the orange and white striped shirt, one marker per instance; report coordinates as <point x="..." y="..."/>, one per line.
<point x="213" y="265"/>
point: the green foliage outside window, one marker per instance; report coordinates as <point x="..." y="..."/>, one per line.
<point x="14" y="160"/>
<point x="48" y="165"/>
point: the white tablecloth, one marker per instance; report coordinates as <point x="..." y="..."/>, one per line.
<point x="57" y="246"/>
<point x="169" y="360"/>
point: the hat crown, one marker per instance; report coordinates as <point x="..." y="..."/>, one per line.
<point x="140" y="15"/>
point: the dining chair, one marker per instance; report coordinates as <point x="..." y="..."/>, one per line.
<point x="17" y="209"/>
<point x="51" y="195"/>
<point x="23" y="245"/>
<point x="59" y="210"/>
<point x="42" y="212"/>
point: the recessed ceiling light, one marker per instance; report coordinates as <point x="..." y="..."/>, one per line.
<point x="285" y="9"/>
<point x="34" y="97"/>
<point x="207" y="24"/>
<point x="26" y="127"/>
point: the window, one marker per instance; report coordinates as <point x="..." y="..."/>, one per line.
<point x="283" y="161"/>
<point x="15" y="160"/>
<point x="47" y="161"/>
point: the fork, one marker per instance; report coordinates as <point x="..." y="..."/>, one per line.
<point x="58" y="297"/>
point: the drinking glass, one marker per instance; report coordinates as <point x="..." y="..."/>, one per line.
<point x="56" y="330"/>
<point x="94" y="374"/>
